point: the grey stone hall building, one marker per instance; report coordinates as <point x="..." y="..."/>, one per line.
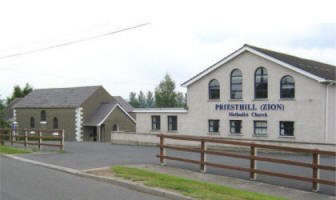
<point x="85" y="113"/>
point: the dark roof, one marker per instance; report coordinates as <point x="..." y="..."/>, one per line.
<point x="128" y="107"/>
<point x="9" y="111"/>
<point x="99" y="114"/>
<point x="57" y="97"/>
<point x="319" y="69"/>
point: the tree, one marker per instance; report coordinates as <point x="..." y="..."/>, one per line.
<point x="133" y="100"/>
<point x="142" y="100"/>
<point x="3" y="123"/>
<point x="180" y="100"/>
<point x="150" y="99"/>
<point x="165" y="95"/>
<point x="19" y="92"/>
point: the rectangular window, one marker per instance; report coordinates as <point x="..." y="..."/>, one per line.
<point x="286" y="128"/>
<point x="156" y="124"/>
<point x="172" y="123"/>
<point x="260" y="127"/>
<point x="213" y="126"/>
<point x="235" y="126"/>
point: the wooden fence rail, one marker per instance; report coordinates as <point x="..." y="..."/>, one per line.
<point x="253" y="157"/>
<point x="25" y="137"/>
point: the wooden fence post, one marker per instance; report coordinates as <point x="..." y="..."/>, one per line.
<point x="162" y="151"/>
<point x="39" y="139"/>
<point x="62" y="141"/>
<point x="11" y="136"/>
<point x="203" y="156"/>
<point x="25" y="138"/>
<point x="2" y="138"/>
<point x="253" y="163"/>
<point x="316" y="171"/>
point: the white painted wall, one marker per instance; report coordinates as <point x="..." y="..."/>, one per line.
<point x="307" y="110"/>
<point x="79" y="124"/>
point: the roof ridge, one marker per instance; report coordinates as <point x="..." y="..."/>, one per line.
<point x="69" y="87"/>
<point x="252" y="46"/>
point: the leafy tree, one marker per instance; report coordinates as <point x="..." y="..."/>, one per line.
<point x="133" y="100"/>
<point x="3" y="123"/>
<point x="142" y="100"/>
<point x="165" y="95"/>
<point x="180" y="100"/>
<point x="150" y="99"/>
<point x="19" y="92"/>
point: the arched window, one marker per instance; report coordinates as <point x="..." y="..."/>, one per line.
<point x="236" y="84"/>
<point x="55" y="123"/>
<point x="43" y="116"/>
<point x="214" y="89"/>
<point x="32" y="122"/>
<point x="287" y="87"/>
<point x="115" y="127"/>
<point x="261" y="83"/>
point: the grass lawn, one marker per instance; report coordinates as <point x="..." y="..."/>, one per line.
<point x="10" y="150"/>
<point x="187" y="187"/>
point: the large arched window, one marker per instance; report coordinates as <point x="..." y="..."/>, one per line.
<point x="214" y="89"/>
<point x="32" y="122"/>
<point x="55" y="123"/>
<point x="261" y="83"/>
<point x="43" y="116"/>
<point x="236" y="84"/>
<point x="287" y="87"/>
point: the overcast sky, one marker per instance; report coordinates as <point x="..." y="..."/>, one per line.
<point x="183" y="38"/>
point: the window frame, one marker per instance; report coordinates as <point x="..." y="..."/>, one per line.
<point x="212" y="88"/>
<point x="283" y="128"/>
<point x="55" y="125"/>
<point x="263" y="75"/>
<point x="157" y="123"/>
<point x="172" y="123"/>
<point x="32" y="122"/>
<point x="283" y="89"/>
<point x="43" y="116"/>
<point x="115" y="126"/>
<point x="233" y="127"/>
<point x="259" y="127"/>
<point x="241" y="84"/>
<point x="209" y="126"/>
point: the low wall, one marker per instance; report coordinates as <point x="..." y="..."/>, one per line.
<point x="132" y="138"/>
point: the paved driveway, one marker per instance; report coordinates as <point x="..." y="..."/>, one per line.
<point x="23" y="181"/>
<point x="91" y="155"/>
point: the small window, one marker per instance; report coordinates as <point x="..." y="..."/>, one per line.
<point x="214" y="92"/>
<point x="172" y="123"/>
<point x="43" y="116"/>
<point x="287" y="87"/>
<point x="235" y="126"/>
<point x="261" y="83"/>
<point x="156" y="124"/>
<point x="115" y="127"/>
<point x="286" y="128"/>
<point x="213" y="126"/>
<point x="32" y="122"/>
<point x="260" y="127"/>
<point x="55" y="123"/>
<point x="236" y="84"/>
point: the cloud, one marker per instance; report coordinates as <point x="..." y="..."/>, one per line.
<point x="318" y="36"/>
<point x="184" y="38"/>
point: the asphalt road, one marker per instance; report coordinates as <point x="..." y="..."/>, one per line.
<point x="23" y="181"/>
<point x="92" y="155"/>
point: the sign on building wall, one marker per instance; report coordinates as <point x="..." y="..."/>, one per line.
<point x="246" y="110"/>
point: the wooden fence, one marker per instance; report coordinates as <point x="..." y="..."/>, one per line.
<point x="253" y="157"/>
<point x="32" y="137"/>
